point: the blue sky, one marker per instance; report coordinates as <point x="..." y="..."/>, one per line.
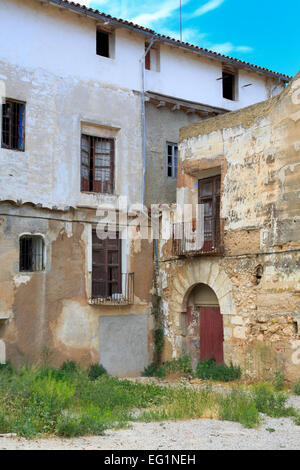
<point x="263" y="32"/>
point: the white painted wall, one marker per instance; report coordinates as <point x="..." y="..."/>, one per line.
<point x="188" y="76"/>
<point x="48" y="59"/>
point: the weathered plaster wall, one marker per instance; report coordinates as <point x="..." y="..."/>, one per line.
<point x="51" y="64"/>
<point x="257" y="151"/>
<point x="48" y="171"/>
<point x="162" y="126"/>
<point x="50" y="308"/>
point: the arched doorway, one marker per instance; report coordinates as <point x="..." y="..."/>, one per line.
<point x="204" y="338"/>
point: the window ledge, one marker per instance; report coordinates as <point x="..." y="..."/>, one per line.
<point x="100" y="301"/>
<point x="4" y="317"/>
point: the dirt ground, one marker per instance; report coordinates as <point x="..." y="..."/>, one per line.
<point x="181" y="435"/>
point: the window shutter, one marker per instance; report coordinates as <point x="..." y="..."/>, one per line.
<point x="85" y="163"/>
<point x="147" y="59"/>
<point x="106" y="273"/>
<point x="175" y="160"/>
<point x="103" y="165"/>
<point x="209" y="195"/>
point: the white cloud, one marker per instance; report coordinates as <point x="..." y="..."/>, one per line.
<point x="96" y="3"/>
<point x="161" y="11"/>
<point x="190" y="35"/>
<point x="208" y="6"/>
<point x="227" y="47"/>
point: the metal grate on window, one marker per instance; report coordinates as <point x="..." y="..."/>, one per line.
<point x="31" y="253"/>
<point x="13" y="125"/>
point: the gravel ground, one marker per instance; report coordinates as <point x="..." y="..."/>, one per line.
<point x="181" y="435"/>
<point x="198" y="434"/>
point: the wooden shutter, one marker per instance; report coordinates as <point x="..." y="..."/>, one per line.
<point x="147" y="59"/>
<point x="106" y="272"/>
<point x="209" y="195"/>
<point x="103" y="174"/>
<point x="85" y="162"/>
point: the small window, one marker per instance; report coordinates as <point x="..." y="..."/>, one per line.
<point x="31" y="253"/>
<point x="102" y="43"/>
<point x="13" y="125"/>
<point x="97" y="164"/>
<point x="147" y="58"/>
<point x="172" y="157"/>
<point x="229" y="80"/>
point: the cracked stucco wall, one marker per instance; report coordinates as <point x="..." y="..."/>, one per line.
<point x="50" y="309"/>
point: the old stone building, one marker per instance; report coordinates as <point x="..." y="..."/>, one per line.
<point x="74" y="138"/>
<point x="238" y="297"/>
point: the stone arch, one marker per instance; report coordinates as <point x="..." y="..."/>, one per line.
<point x="202" y="271"/>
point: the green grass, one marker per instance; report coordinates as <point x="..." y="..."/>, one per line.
<point x="296" y="389"/>
<point x="209" y="370"/>
<point x="181" y="366"/>
<point x="71" y="401"/>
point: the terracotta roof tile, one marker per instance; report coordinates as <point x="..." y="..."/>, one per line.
<point x="137" y="27"/>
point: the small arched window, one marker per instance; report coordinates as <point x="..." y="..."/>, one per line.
<point x="31" y="253"/>
<point x="258" y="273"/>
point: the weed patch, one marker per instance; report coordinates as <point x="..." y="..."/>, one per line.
<point x="296" y="389"/>
<point x="71" y="401"/>
<point x="209" y="370"/>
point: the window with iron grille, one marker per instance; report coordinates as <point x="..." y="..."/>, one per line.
<point x="97" y="164"/>
<point x="209" y="195"/>
<point x="31" y="253"/>
<point x="172" y="157"/>
<point x="13" y="125"/>
<point x="106" y="272"/>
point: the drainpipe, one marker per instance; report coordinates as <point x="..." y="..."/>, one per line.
<point x="143" y="119"/>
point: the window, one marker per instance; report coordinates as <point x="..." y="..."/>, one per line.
<point x="97" y="164"/>
<point x="209" y="195"/>
<point x="152" y="58"/>
<point x="106" y="271"/>
<point x="31" y="253"/>
<point x="172" y="152"/>
<point x="147" y="58"/>
<point x="228" y="80"/>
<point x="102" y="43"/>
<point x="13" y="125"/>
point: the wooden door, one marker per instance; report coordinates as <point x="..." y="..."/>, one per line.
<point x="211" y="334"/>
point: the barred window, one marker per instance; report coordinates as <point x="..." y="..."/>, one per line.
<point x="31" y="253"/>
<point x="13" y="125"/>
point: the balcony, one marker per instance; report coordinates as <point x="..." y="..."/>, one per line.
<point x="186" y="241"/>
<point x="122" y="295"/>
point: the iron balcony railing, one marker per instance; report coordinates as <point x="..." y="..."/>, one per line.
<point x="187" y="241"/>
<point x="119" y="293"/>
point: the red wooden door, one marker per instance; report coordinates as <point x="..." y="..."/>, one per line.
<point x="211" y="334"/>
